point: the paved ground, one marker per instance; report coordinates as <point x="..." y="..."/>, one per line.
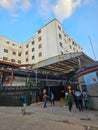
<point x="52" y="117"/>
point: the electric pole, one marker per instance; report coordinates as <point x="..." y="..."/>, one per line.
<point x="92" y="48"/>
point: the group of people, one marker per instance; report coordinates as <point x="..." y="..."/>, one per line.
<point x="79" y="98"/>
<point x="46" y="97"/>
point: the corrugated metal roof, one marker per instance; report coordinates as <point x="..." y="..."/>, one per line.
<point x="61" y="64"/>
<point x="64" y="63"/>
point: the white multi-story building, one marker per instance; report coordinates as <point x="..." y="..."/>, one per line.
<point x="10" y="51"/>
<point x="49" y="41"/>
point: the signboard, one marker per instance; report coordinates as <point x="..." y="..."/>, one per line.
<point x="91" y="79"/>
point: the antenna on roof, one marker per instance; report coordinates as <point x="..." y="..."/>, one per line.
<point x="92" y="48"/>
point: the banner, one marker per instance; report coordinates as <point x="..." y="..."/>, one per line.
<point x="91" y="79"/>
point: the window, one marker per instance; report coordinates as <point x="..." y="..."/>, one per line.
<point x="69" y="40"/>
<point x="8" y="42"/>
<point x="33" y="57"/>
<point x="26" y="52"/>
<point x="61" y="53"/>
<point x="40" y="54"/>
<point x="13" y="44"/>
<point x="39" y="38"/>
<point x="26" y="59"/>
<point x="5" y="58"/>
<point x="12" y="60"/>
<point x="39" y="31"/>
<point x="19" y="54"/>
<point x="14" y="53"/>
<point x="61" y="44"/>
<point x="27" y="46"/>
<point x="33" y="49"/>
<point x="33" y="42"/>
<point x="19" y="61"/>
<point x="40" y="45"/>
<point x="5" y="50"/>
<point x="73" y="42"/>
<point x="60" y="36"/>
<point x="59" y="27"/>
<point x="70" y="47"/>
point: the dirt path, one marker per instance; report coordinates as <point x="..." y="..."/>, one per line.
<point x="50" y="118"/>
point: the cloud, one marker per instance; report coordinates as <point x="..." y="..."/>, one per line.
<point x="60" y="9"/>
<point x="7" y="4"/>
<point x="15" y="4"/>
<point x="44" y="7"/>
<point x="64" y="8"/>
<point x="15" y="8"/>
<point x="25" y="4"/>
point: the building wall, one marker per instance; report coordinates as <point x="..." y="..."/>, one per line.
<point x="49" y="41"/>
<point x="10" y="50"/>
<point x="92" y="89"/>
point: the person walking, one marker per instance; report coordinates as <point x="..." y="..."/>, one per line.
<point x="85" y="98"/>
<point x="52" y="98"/>
<point x="24" y="103"/>
<point x="78" y="97"/>
<point x="70" y="100"/>
<point x="45" y="97"/>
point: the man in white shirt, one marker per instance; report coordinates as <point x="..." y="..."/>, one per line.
<point x="78" y="98"/>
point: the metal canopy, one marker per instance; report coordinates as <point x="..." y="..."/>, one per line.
<point x="64" y="63"/>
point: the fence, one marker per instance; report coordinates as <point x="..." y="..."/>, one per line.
<point x="11" y="95"/>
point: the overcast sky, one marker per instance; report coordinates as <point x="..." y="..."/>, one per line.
<point x="20" y="19"/>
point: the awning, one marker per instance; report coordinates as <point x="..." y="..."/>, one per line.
<point x="64" y="63"/>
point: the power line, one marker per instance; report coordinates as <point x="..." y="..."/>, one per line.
<point x="92" y="48"/>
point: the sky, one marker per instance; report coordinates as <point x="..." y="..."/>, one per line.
<point x="20" y="19"/>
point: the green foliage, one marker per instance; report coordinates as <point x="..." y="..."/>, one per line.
<point x="29" y="83"/>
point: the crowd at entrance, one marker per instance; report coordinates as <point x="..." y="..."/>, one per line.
<point x="78" y="98"/>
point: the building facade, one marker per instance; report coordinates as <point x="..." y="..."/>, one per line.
<point x="88" y="80"/>
<point x="49" y="41"/>
<point x="10" y="51"/>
